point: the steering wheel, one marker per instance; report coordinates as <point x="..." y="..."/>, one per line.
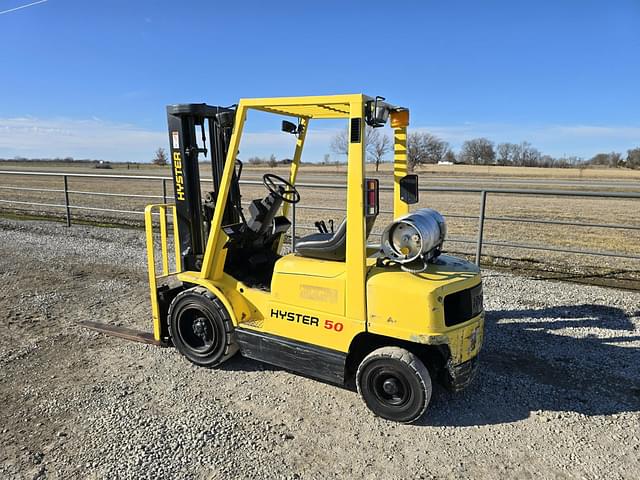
<point x="281" y="188"/>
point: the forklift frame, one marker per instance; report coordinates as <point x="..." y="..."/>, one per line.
<point x="353" y="316"/>
<point x="351" y="107"/>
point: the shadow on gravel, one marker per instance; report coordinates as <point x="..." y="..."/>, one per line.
<point x="242" y="364"/>
<point x="528" y="365"/>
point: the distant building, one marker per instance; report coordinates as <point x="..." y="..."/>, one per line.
<point x="103" y="164"/>
<point x="445" y="162"/>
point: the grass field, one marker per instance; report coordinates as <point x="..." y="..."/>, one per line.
<point x="462" y="170"/>
<point x="455" y="206"/>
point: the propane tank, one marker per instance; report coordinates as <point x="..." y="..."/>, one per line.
<point x="415" y="236"/>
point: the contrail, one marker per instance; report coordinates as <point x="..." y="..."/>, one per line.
<point x="23" y="6"/>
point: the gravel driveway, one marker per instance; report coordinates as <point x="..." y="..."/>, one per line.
<point x="557" y="396"/>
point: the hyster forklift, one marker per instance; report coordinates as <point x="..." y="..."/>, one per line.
<point x="388" y="317"/>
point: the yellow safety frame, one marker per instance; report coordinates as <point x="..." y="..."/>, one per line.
<point x="400" y="169"/>
<point x="295" y="165"/>
<point x="349" y="107"/>
<point x="305" y="108"/>
<point x="149" y="213"/>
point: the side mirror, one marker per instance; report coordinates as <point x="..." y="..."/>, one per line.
<point x="409" y="189"/>
<point x="289" y="127"/>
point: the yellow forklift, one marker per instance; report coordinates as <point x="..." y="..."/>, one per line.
<point x="388" y="318"/>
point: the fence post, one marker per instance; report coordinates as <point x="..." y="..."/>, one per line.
<point x="483" y="207"/>
<point x="164" y="191"/>
<point x="293" y="227"/>
<point x="66" y="200"/>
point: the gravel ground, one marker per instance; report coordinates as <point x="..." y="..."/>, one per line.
<point x="557" y="396"/>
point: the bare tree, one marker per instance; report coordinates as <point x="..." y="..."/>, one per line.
<point x="547" y="161"/>
<point x="437" y="149"/>
<point x="161" y="157"/>
<point x="478" y="151"/>
<point x="520" y="155"/>
<point x="528" y="156"/>
<point x="415" y="152"/>
<point x="601" y="159"/>
<point x="450" y="157"/>
<point x="378" y="145"/>
<point x="615" y="159"/>
<point x="423" y="147"/>
<point x="633" y="158"/>
<point x="506" y="153"/>
<point x="340" y="143"/>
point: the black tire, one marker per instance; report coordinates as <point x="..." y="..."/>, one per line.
<point x="201" y="328"/>
<point x="394" y="384"/>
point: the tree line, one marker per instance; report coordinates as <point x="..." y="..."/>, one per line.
<point x="426" y="148"/>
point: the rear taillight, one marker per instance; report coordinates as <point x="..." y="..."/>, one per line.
<point x="372" y="197"/>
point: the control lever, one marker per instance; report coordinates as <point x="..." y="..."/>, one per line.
<point x="331" y="224"/>
<point x="321" y="226"/>
<point x="204" y="140"/>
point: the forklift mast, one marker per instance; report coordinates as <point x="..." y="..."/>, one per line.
<point x="215" y="125"/>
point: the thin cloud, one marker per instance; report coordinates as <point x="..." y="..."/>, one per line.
<point x="23" y="6"/>
<point x="621" y="132"/>
<point x="100" y="139"/>
<point x="90" y="138"/>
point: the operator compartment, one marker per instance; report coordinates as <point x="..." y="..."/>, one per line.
<point x="319" y="285"/>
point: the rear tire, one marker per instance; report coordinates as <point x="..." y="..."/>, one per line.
<point x="394" y="384"/>
<point x="201" y="328"/>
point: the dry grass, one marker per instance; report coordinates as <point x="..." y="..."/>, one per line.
<point x="591" y="173"/>
<point x="574" y="209"/>
<point x="532" y="172"/>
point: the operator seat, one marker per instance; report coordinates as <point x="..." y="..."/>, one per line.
<point x="329" y="246"/>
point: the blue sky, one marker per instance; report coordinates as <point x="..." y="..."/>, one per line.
<point x="92" y="78"/>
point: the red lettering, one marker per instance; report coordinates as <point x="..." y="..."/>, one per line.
<point x="331" y="325"/>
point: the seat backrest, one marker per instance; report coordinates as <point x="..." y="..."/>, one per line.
<point x="329" y="246"/>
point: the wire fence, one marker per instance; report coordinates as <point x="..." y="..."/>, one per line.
<point x="478" y="241"/>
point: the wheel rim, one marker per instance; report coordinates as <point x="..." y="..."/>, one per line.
<point x="389" y="387"/>
<point x="197" y="331"/>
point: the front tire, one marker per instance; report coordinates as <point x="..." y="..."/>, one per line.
<point x="394" y="384"/>
<point x="201" y="328"/>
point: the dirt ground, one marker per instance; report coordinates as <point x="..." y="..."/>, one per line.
<point x="557" y="396"/>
